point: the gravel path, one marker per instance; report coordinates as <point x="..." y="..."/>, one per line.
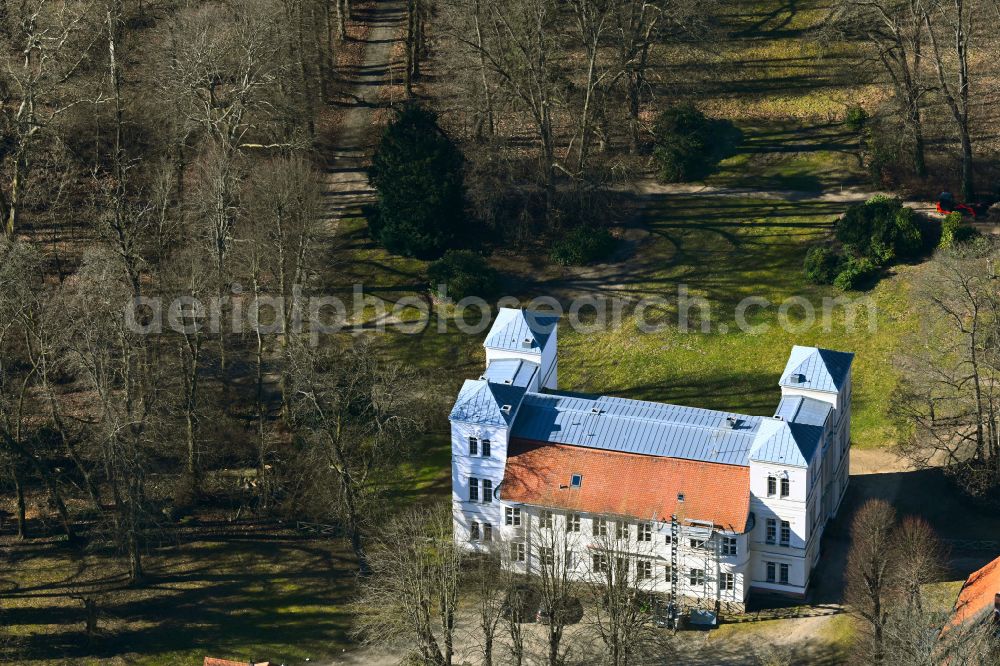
<point x="345" y="181"/>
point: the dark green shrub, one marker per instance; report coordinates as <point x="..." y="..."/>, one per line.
<point x="682" y="143"/>
<point x="822" y="265"/>
<point x="582" y="245"/>
<point x="464" y="273"/>
<point x="856" y="118"/>
<point x="417" y="171"/>
<point x="856" y="274"/>
<point x="881" y="229"/>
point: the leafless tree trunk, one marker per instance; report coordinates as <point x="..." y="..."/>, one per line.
<point x="949" y="400"/>
<point x="620" y="590"/>
<point x="895" y="30"/>
<point x="955" y="19"/>
<point x="410" y="599"/>
<point x="871" y="570"/>
<point x="355" y="411"/>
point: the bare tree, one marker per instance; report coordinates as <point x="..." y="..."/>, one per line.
<point x="22" y="298"/>
<point x="871" y="572"/>
<point x="356" y="413"/>
<point x="411" y="596"/>
<point x="282" y="204"/>
<point x="516" y="39"/>
<point x="105" y="345"/>
<point x="948" y="404"/>
<point x="45" y="44"/>
<point x="922" y="558"/>
<point x="621" y="582"/>
<point x="955" y="21"/>
<point x="894" y="30"/>
<point x="553" y="565"/>
<point x="487" y="578"/>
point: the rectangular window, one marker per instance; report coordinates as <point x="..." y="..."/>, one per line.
<point x="727" y="581"/>
<point x="600" y="527"/>
<point x="473" y="489"/>
<point x="473" y="446"/>
<point x="697" y="543"/>
<point x="729" y="546"/>
<point x="643" y="569"/>
<point x="785" y="486"/>
<point x="600" y="563"/>
<point x="545" y="556"/>
<point x="573" y="522"/>
<point x="772" y="530"/>
<point x="645" y="532"/>
<point x="570" y="561"/>
<point x="772" y="486"/>
<point x="473" y="531"/>
<point x="696" y="577"/>
<point x="487" y="532"/>
<point x="786" y="533"/>
<point x="517" y="552"/>
<point x="512" y="517"/>
<point x="621" y="530"/>
<point x="669" y="538"/>
<point x="770" y="572"/>
<point x="487" y="491"/>
<point x="784" y="574"/>
<point x="546" y="520"/>
<point x="486" y="448"/>
<point x="666" y="572"/>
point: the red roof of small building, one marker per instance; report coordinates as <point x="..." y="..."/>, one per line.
<point x="980" y="593"/>
<point x="627" y="484"/>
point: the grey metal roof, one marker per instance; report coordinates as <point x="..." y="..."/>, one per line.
<point x="481" y="402"/>
<point x="637" y="426"/>
<point x="521" y="330"/>
<point x="784" y="443"/>
<point x="512" y="371"/>
<point x="799" y="409"/>
<point x="816" y="369"/>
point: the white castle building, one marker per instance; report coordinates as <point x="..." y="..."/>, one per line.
<point x="710" y="505"/>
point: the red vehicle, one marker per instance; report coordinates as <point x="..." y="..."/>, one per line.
<point x="946" y="204"/>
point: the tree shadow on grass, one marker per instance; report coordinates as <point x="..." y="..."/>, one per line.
<point x="273" y="600"/>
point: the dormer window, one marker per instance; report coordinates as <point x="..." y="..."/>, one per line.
<point x="526" y="343"/>
<point x="576" y="481"/>
<point x="505" y="409"/>
<point x="680" y="497"/>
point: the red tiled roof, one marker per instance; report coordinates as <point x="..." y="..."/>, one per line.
<point x="979" y="593"/>
<point x="628" y="484"/>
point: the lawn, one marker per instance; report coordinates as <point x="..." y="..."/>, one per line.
<point x="725" y="250"/>
<point x="720" y="248"/>
<point x="241" y="592"/>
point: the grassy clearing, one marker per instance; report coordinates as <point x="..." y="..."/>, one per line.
<point x="725" y="250"/>
<point x="258" y="595"/>
<point x="721" y="249"/>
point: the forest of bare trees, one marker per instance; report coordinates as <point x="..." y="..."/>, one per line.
<point x="163" y="154"/>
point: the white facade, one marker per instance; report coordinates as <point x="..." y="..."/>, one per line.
<point x="789" y="502"/>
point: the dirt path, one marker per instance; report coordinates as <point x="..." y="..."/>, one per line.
<point x="845" y="195"/>
<point x="345" y="182"/>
